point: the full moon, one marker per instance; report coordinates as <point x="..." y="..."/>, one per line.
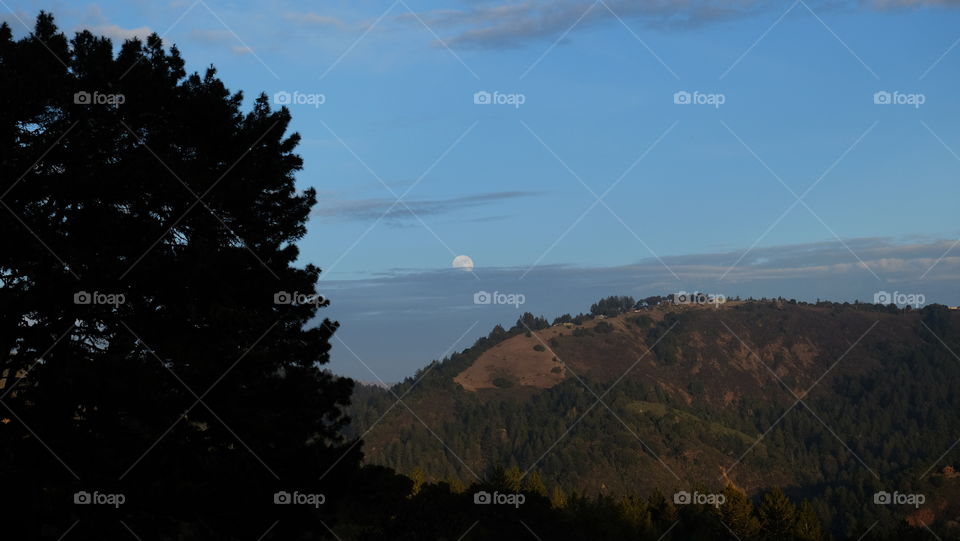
<point x="463" y="262"/>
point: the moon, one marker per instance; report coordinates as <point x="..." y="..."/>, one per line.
<point x="463" y="262"/>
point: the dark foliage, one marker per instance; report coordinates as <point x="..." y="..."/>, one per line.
<point x="143" y="245"/>
<point x="612" y="306"/>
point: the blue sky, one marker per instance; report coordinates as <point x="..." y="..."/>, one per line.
<point x="693" y="188"/>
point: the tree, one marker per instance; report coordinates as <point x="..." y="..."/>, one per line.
<point x="737" y="513"/>
<point x="809" y="526"/>
<point x="418" y="477"/>
<point x="558" y="497"/>
<point x="777" y="515"/>
<point x="533" y="484"/>
<point x="508" y="480"/>
<point x="149" y="290"/>
<point x="528" y="322"/>
<point x="612" y="306"/>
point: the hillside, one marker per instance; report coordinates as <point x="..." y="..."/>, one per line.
<point x="693" y="396"/>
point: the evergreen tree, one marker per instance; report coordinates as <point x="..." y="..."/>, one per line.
<point x="147" y="256"/>
<point x="558" y="498"/>
<point x="532" y="483"/>
<point x="737" y="514"/>
<point x="508" y="480"/>
<point x="418" y="477"/>
<point x="809" y="526"/>
<point x="778" y="516"/>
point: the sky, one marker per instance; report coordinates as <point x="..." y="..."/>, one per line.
<point x="576" y="149"/>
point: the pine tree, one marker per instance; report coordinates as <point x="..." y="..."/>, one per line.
<point x="737" y="514"/>
<point x="418" y="477"/>
<point x="457" y="486"/>
<point x="558" y="498"/>
<point x="164" y="277"/>
<point x="510" y="479"/>
<point x="634" y="510"/>
<point x="808" y="524"/>
<point x="777" y="514"/>
<point x="532" y="483"/>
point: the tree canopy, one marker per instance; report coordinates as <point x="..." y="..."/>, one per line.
<point x="151" y="300"/>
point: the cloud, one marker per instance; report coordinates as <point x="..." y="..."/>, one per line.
<point x="118" y="33"/>
<point x="211" y="36"/>
<point x="219" y="37"/>
<point x="490" y="25"/>
<point x="375" y="208"/>
<point x="315" y="19"/>
<point x="493" y="24"/>
<point x="96" y="22"/>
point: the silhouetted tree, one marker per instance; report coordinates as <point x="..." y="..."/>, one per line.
<point x="612" y="306"/>
<point x="149" y="293"/>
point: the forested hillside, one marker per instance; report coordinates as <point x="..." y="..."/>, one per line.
<point x="833" y="402"/>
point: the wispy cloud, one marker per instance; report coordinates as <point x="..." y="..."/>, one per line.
<point x="499" y="24"/>
<point x="96" y="22"/>
<point x="118" y="33"/>
<point x="315" y="19"/>
<point x="219" y="37"/>
<point x="502" y="25"/>
<point x="374" y="208"/>
<point x="203" y="35"/>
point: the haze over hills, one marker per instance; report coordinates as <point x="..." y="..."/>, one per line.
<point x="834" y="402"/>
